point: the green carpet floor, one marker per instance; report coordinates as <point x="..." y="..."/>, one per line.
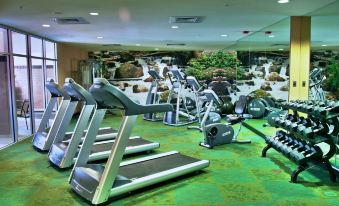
<point x="237" y="175"/>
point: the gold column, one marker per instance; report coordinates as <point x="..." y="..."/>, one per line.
<point x="300" y="57"/>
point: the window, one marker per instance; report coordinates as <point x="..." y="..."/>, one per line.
<point x="50" y="50"/>
<point x="32" y="60"/>
<point x="19" y="43"/>
<point x="3" y="40"/>
<point x="36" y="47"/>
<point x="22" y="96"/>
<point x="38" y="84"/>
<point x="50" y="69"/>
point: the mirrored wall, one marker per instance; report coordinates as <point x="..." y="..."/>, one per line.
<point x="264" y="58"/>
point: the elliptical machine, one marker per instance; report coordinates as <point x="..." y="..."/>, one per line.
<point x="219" y="133"/>
<point x="200" y="100"/>
<point x="153" y="97"/>
<point x="316" y="79"/>
<point x="174" y="118"/>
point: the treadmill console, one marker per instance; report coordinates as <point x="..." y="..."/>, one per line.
<point x="177" y="74"/>
<point x="55" y="89"/>
<point x="78" y="92"/>
<point x="154" y="74"/>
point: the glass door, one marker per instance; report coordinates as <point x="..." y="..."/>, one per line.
<point x="22" y="97"/>
<point x="6" y="127"/>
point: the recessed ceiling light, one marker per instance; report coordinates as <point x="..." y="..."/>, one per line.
<point x="283" y="1"/>
<point x="324" y="45"/>
<point x="137" y="44"/>
<point x="46" y="25"/>
<point x="175" y="27"/>
<point x="224" y="35"/>
<point x="94" y="13"/>
<point x="281" y="49"/>
<point x="156" y="49"/>
<point x="271" y="36"/>
<point x="100" y="37"/>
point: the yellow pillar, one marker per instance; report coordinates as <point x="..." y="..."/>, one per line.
<point x="300" y="50"/>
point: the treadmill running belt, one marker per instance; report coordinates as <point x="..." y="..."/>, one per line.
<point x="108" y="146"/>
<point x="100" y="132"/>
<point x="155" y="166"/>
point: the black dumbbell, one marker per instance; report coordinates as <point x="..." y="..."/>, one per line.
<point x="280" y="135"/>
<point x="286" y="147"/>
<point x="303" y="153"/>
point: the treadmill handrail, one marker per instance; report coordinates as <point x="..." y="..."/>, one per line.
<point x="78" y="92"/>
<point x="108" y="96"/>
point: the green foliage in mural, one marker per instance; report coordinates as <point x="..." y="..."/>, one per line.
<point x="259" y="93"/>
<point x="332" y="73"/>
<point x="204" y="66"/>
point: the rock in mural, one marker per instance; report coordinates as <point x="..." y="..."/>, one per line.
<point x="139" y="88"/>
<point x="148" y="79"/>
<point x="120" y="85"/>
<point x="127" y="85"/>
<point x="284" y="88"/>
<point x="128" y="70"/>
<point x="250" y="83"/>
<point x="274" y="76"/>
<point x="275" y="68"/>
<point x="266" y="86"/>
<point x="259" y="94"/>
<point x="248" y="76"/>
<point x="162" y="87"/>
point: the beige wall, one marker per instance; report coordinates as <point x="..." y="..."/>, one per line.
<point x="68" y="59"/>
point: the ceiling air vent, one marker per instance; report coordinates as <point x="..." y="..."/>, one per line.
<point x="185" y="19"/>
<point x="175" y="44"/>
<point x="71" y="20"/>
<point x="280" y="45"/>
<point x="111" y="45"/>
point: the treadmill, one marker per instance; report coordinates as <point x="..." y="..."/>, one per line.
<point x="96" y="182"/>
<point x="42" y="139"/>
<point x="63" y="153"/>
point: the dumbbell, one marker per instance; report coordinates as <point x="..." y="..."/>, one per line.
<point x="295" y="125"/>
<point x="305" y="123"/>
<point x="280" y="135"/>
<point x="292" y="124"/>
<point x="300" y="144"/>
<point x="295" y="146"/>
<point x="302" y="153"/>
<point x="276" y="141"/>
<point x="310" y="132"/>
<point x="282" y="146"/>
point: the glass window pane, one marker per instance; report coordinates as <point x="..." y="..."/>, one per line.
<point x="22" y="96"/>
<point x="36" y="47"/>
<point x="3" y="40"/>
<point x="50" y="73"/>
<point x="50" y="69"/>
<point x="19" y="43"/>
<point x="38" y="90"/>
<point x="50" y="50"/>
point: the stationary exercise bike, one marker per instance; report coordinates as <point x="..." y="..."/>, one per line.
<point x="219" y="133"/>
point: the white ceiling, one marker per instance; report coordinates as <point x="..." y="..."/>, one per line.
<point x="145" y="22"/>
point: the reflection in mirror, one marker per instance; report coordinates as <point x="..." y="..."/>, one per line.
<point x="324" y="75"/>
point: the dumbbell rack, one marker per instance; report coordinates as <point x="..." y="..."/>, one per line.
<point x="307" y="141"/>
